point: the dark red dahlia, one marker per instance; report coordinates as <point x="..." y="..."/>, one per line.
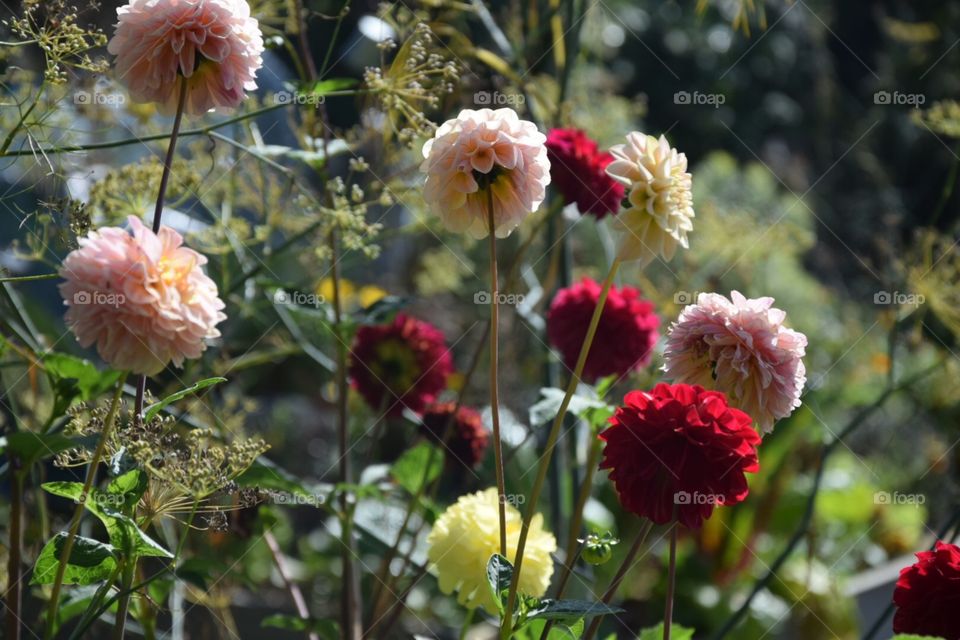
<point x="679" y="449"/>
<point x="625" y="336"/>
<point x="401" y="364"/>
<point x="928" y="594"/>
<point x="467" y="439"/>
<point x="577" y="170"/>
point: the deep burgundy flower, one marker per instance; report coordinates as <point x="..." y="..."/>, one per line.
<point x="401" y="364"/>
<point x="467" y="440"/>
<point x="928" y="594"/>
<point x="679" y="448"/>
<point x="577" y="169"/>
<point x="625" y="336"/>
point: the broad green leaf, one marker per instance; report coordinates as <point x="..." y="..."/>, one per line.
<point x="156" y="408"/>
<point x="90" y="561"/>
<point x="676" y="633"/>
<point x="499" y="575"/>
<point x="423" y="462"/>
<point x="569" y="610"/>
<point x="591" y="409"/>
<point x="89" y="381"/>
<point x="533" y="630"/>
<point x="129" y="486"/>
<point x="31" y="447"/>
<point x="327" y="629"/>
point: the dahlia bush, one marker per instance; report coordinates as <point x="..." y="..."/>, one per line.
<point x="491" y="320"/>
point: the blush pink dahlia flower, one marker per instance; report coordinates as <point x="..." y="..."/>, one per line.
<point x="215" y="44"/>
<point x="142" y="298"/>
<point x="659" y="194"/>
<point x="481" y="150"/>
<point x="739" y="347"/>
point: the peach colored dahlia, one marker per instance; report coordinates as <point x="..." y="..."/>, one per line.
<point x="214" y="43"/>
<point x="658" y="191"/>
<point x="143" y="298"/>
<point x="740" y="347"/>
<point x="481" y="150"/>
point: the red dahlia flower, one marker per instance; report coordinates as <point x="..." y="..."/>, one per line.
<point x="625" y="336"/>
<point x="401" y="364"/>
<point x="679" y="448"/>
<point x="928" y="594"/>
<point x="577" y="169"/>
<point x="467" y="440"/>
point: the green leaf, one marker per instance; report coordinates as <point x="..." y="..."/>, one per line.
<point x="499" y="575"/>
<point x="90" y="561"/>
<point x="88" y="381"/>
<point x="156" y="408"/>
<point x="656" y="633"/>
<point x="411" y="469"/>
<point x="129" y="486"/>
<point x="591" y="409"/>
<point x="31" y="447"/>
<point x="570" y="610"/>
<point x="323" y="87"/>
<point x="264" y="474"/>
<point x="327" y="629"/>
<point x="533" y="629"/>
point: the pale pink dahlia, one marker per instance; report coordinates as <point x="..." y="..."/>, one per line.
<point x="660" y="212"/>
<point x="481" y="150"/>
<point x="214" y="43"/>
<point x="739" y="347"/>
<point x="142" y="298"/>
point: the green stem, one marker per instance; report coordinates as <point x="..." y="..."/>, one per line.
<point x="494" y="374"/>
<point x="16" y="547"/>
<point x="67" y="549"/>
<point x="467" y="621"/>
<point x="13" y="132"/>
<point x="531" y="509"/>
<point x="126" y="586"/>
<point x="42" y="276"/>
<point x="671" y="582"/>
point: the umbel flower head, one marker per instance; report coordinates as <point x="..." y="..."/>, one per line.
<point x="740" y="347"/>
<point x="658" y="192"/>
<point x="400" y="364"/>
<point x="480" y="153"/>
<point x="625" y="336"/>
<point x="927" y="594"/>
<point x="215" y="44"/>
<point x="577" y="170"/>
<point x="467" y="439"/>
<point x="141" y="297"/>
<point x="679" y="451"/>
<point x="468" y="533"/>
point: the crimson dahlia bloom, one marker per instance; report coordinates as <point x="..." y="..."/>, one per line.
<point x="625" y="336"/>
<point x="679" y="448"/>
<point x="401" y="364"/>
<point x="928" y="594"/>
<point x="467" y="441"/>
<point x="578" y="170"/>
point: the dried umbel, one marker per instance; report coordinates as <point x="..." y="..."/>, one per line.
<point x="465" y="536"/>
<point x="214" y="44"/>
<point x="660" y="212"/>
<point x="481" y="158"/>
<point x="141" y="297"/>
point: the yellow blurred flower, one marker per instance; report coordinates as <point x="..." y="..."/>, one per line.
<point x="468" y="533"/>
<point x="352" y="298"/>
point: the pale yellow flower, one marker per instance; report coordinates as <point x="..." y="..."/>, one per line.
<point x="468" y="533"/>
<point x="658" y="190"/>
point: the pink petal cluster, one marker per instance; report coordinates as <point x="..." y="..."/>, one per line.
<point x="740" y="347"/>
<point x="142" y="298"/>
<point x="215" y="44"/>
<point x="480" y="151"/>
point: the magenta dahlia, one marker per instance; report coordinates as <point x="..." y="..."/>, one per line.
<point x="578" y="170"/>
<point x="467" y="439"/>
<point x="678" y="451"/>
<point x="927" y="594"/>
<point x="625" y="336"/>
<point x="400" y="364"/>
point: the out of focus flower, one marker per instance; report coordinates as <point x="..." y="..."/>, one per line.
<point x="577" y="170"/>
<point x="142" y="298"/>
<point x="927" y="592"/>
<point x="482" y="152"/>
<point x="467" y="439"/>
<point x="678" y="451"/>
<point x="658" y="190"/>
<point x="468" y="533"/>
<point x="742" y="348"/>
<point x="625" y="336"/>
<point x="215" y="44"/>
<point x="352" y="297"/>
<point x="400" y="364"/>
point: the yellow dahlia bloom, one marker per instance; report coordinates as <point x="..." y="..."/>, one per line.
<point x="468" y="533"/>
<point x="658" y="190"/>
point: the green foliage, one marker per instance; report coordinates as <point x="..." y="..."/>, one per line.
<point x="326" y="629"/>
<point x="417" y="466"/>
<point x="90" y="561"/>
<point x="153" y="410"/>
